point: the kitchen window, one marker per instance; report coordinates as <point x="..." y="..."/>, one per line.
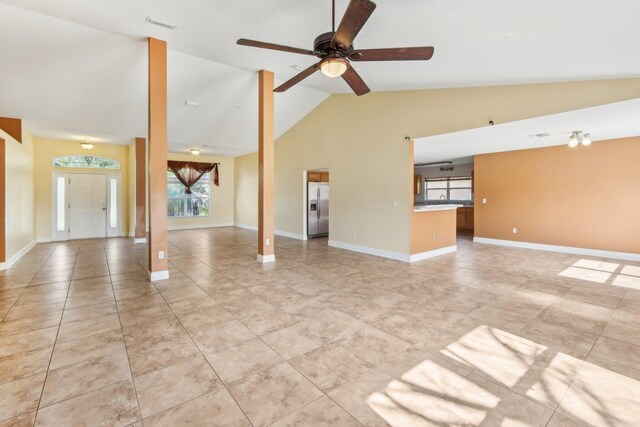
<point x="448" y="190"/>
<point x="181" y="205"/>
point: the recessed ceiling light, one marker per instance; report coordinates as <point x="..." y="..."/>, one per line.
<point x="159" y="23"/>
<point x="539" y="135"/>
<point x="195" y="151"/>
<point x="192" y="104"/>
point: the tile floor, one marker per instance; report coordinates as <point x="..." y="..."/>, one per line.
<point x="486" y="336"/>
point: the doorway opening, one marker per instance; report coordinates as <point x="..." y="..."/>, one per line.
<point x="317" y="204"/>
<point x="85" y="206"/>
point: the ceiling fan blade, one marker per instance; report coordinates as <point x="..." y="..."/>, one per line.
<point x="272" y="46"/>
<point x="393" y="54"/>
<point x="356" y="83"/>
<point x="357" y="14"/>
<point x="297" y="78"/>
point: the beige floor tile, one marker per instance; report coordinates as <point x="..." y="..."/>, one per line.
<point x="173" y="385"/>
<point x="272" y="394"/>
<point x="373" y="345"/>
<point x="84" y="328"/>
<point x="322" y="412"/>
<point x="150" y="356"/>
<point x="91" y="347"/>
<point x="24" y="420"/>
<point x="89" y="311"/>
<point x="114" y="405"/>
<point x="560" y="420"/>
<point x="216" y="408"/>
<point x="20" y="343"/>
<point x="72" y="380"/>
<point x="599" y="397"/>
<point x="211" y="336"/>
<point x="483" y="402"/>
<point x="20" y="365"/>
<point x="28" y="324"/>
<point x="20" y="396"/>
<point x="294" y="340"/>
<point x="330" y="366"/>
<point x="240" y="361"/>
<point x="376" y="399"/>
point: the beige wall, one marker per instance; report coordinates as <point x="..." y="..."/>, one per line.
<point x="361" y="140"/>
<point x="221" y="196"/>
<point x="46" y="150"/>
<point x="20" y="193"/>
<point x="587" y="197"/>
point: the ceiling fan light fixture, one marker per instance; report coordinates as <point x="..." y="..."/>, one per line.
<point x="574" y="140"/>
<point x="334" y="67"/>
<point x="195" y="151"/>
<point x="586" y="139"/>
<point x="86" y="144"/>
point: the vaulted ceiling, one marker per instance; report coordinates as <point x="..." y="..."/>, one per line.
<point x="74" y="68"/>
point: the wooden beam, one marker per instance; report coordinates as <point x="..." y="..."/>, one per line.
<point x="158" y="264"/>
<point x="141" y="190"/>
<point x="13" y="127"/>
<point x="3" y="200"/>
<point x="266" y="155"/>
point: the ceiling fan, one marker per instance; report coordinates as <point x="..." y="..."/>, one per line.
<point x="335" y="49"/>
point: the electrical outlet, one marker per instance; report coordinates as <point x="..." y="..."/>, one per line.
<point x="395" y="204"/>
<point x="484" y="201"/>
<point x="434" y="237"/>
<point x="161" y="255"/>
<point x="353" y="233"/>
<point x="515" y="230"/>
<point x="268" y="242"/>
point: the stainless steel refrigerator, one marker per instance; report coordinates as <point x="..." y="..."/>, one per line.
<point x="317" y="209"/>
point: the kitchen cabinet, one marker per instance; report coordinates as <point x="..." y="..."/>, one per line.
<point x="318" y="176"/>
<point x="464" y="218"/>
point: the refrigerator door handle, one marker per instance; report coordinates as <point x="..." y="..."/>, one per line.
<point x="318" y="199"/>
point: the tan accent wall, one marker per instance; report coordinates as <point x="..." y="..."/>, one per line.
<point x="158" y="222"/>
<point x="587" y="197"/>
<point x="361" y="140"/>
<point x="427" y="225"/>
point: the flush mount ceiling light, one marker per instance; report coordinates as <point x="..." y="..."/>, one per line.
<point x="578" y="137"/>
<point x="192" y="104"/>
<point x="195" y="151"/>
<point x="86" y="144"/>
<point x="159" y="23"/>
<point x="334" y="66"/>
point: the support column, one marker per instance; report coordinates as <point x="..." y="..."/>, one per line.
<point x="266" y="146"/>
<point x="3" y="201"/>
<point x="141" y="190"/>
<point x="158" y="265"/>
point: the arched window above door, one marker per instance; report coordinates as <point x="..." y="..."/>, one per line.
<point x="86" y="162"/>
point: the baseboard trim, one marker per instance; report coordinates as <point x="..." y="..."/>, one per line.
<point x="246" y="227"/>
<point x="266" y="258"/>
<point x="140" y="240"/>
<point x="369" y="251"/>
<point x="196" y="226"/>
<point x="562" y="249"/>
<point x="158" y="275"/>
<point x="8" y="263"/>
<point x="280" y="233"/>
<point x="433" y="253"/>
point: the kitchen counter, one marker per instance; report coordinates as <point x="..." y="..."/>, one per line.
<point x="430" y="208"/>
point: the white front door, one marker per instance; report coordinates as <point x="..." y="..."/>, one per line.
<point x="88" y="206"/>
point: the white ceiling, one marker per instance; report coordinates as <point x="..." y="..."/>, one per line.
<point x="84" y="73"/>
<point x="610" y="121"/>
